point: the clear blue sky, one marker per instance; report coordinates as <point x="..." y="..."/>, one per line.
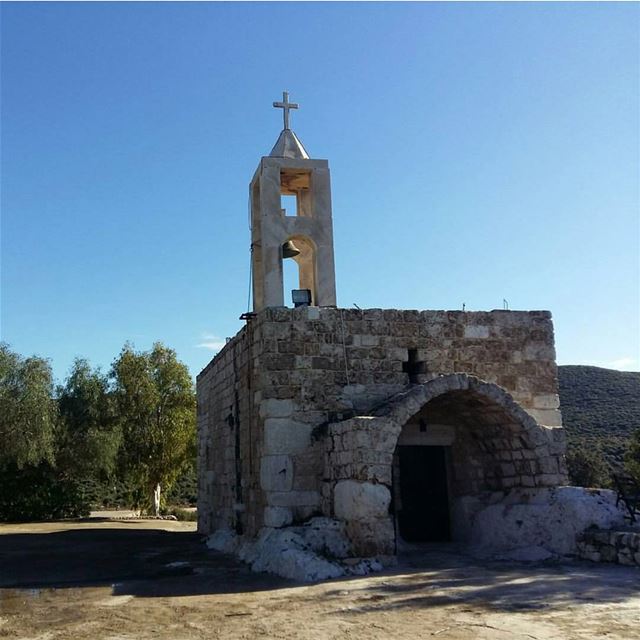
<point x="478" y="152"/>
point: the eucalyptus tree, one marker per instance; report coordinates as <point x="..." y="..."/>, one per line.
<point x="89" y="434"/>
<point x="156" y="407"/>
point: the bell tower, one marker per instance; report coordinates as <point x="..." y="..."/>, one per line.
<point x="303" y="232"/>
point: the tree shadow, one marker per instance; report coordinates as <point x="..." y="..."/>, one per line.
<point x="436" y="580"/>
<point x="135" y="561"/>
<point x="153" y="562"/>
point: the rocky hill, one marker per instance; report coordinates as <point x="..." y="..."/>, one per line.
<point x="600" y="407"/>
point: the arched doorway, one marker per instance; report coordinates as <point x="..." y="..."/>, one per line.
<point x="442" y="450"/>
<point x="460" y="443"/>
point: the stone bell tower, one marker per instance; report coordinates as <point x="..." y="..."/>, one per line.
<point x="305" y="235"/>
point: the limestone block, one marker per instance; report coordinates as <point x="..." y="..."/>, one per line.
<point x="508" y="469"/>
<point x="476" y="331"/>
<point x="273" y="408"/>
<point x="548" y="465"/>
<point x="276" y="473"/>
<point x="284" y="436"/>
<point x="277" y="517"/>
<point x="546" y="401"/>
<point x="625" y="556"/>
<point x="360" y="500"/>
<point x="293" y="498"/>
<point x="539" y="351"/>
<point x="547" y="417"/>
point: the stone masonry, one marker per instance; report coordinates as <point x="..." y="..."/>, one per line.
<point x="385" y="426"/>
<point x="304" y="399"/>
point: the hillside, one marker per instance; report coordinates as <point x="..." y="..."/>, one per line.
<point x="600" y="407"/>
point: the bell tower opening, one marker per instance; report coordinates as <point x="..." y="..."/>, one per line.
<point x="291" y="219"/>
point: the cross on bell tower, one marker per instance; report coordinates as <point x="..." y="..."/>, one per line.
<point x="286" y="106"/>
<point x="306" y="235"/>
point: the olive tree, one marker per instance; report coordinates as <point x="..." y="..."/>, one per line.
<point x="27" y="410"/>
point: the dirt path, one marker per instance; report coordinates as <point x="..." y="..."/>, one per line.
<point x="116" y="580"/>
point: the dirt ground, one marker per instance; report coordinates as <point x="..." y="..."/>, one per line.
<point x="137" y="579"/>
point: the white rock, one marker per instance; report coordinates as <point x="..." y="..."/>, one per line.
<point x="325" y="536"/>
<point x="223" y="540"/>
<point x="546" y="518"/>
<point x="277" y="517"/>
<point x="284" y="553"/>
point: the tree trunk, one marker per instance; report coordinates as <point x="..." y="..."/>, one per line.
<point x="156" y="500"/>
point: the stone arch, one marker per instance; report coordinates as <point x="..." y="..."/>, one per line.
<point x="505" y="443"/>
<point x="498" y="446"/>
<point x="402" y="407"/>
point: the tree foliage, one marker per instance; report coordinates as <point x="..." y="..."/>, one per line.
<point x="587" y="467"/>
<point x="27" y="410"/>
<point x="97" y="438"/>
<point x="156" y="408"/>
<point x="89" y="435"/>
<point x="39" y="492"/>
<point x="632" y="459"/>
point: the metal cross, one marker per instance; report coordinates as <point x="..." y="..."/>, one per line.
<point x="285" y="105"/>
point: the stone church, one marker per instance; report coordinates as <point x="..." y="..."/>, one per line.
<point x="400" y="426"/>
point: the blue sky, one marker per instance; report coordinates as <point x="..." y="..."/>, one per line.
<point x="479" y="152"/>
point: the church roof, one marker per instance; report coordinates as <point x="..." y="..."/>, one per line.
<point x="288" y="146"/>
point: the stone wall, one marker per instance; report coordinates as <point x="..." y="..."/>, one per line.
<point x="497" y="446"/>
<point x="229" y="439"/>
<point x="621" y="547"/>
<point x="297" y="370"/>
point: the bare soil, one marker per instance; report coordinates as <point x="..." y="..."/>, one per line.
<point x="137" y="579"/>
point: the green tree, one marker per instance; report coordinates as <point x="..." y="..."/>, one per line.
<point x="27" y="410"/>
<point x="156" y="406"/>
<point x="632" y="457"/>
<point x="587" y="467"/>
<point x="31" y="486"/>
<point x="89" y="436"/>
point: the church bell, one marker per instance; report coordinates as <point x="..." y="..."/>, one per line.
<point x="289" y="250"/>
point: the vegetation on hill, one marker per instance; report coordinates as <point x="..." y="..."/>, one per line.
<point x="600" y="412"/>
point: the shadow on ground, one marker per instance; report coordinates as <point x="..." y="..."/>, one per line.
<point x="152" y="562"/>
<point x="437" y="578"/>
<point x="136" y="561"/>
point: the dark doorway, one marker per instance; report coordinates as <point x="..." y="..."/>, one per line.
<point x="424" y="502"/>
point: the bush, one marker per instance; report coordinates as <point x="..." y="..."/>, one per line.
<point x="587" y="467"/>
<point x="186" y="515"/>
<point x="39" y="493"/>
